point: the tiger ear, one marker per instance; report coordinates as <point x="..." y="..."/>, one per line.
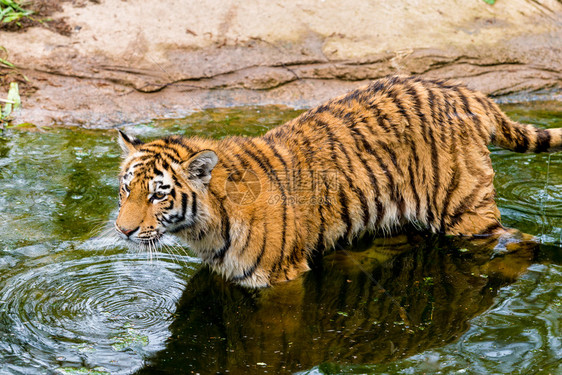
<point x="128" y="144"/>
<point x="200" y="166"/>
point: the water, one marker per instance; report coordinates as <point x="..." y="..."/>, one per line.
<point x="409" y="304"/>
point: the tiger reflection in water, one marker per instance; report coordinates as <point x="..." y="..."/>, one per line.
<point x="375" y="302"/>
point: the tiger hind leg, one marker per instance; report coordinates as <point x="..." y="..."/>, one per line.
<point x="485" y="222"/>
<point x="482" y="221"/>
<point x="484" y="231"/>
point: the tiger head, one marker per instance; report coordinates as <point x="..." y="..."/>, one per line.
<point x="163" y="188"/>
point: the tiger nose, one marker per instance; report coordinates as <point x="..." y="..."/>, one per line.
<point x="126" y="232"/>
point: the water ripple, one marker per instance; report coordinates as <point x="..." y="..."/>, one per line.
<point x="107" y="310"/>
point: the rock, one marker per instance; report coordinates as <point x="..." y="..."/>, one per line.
<point x="132" y="61"/>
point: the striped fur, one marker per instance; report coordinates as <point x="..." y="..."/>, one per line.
<point x="400" y="151"/>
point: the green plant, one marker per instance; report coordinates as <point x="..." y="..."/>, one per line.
<point x="12" y="104"/>
<point x="11" y="10"/>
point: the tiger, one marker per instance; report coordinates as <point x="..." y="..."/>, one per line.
<point x="401" y="151"/>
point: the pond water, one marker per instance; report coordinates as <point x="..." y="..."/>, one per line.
<point x="71" y="304"/>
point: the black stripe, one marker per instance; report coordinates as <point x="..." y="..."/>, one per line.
<point x="381" y="118"/>
<point x="377" y="86"/>
<point x="262" y="162"/>
<point x="173" y="154"/>
<point x="249" y="236"/>
<point x="412" y="91"/>
<point x="464" y="205"/>
<point x="392" y="155"/>
<point x="470" y="114"/>
<point x="500" y="121"/>
<point x="431" y="103"/>
<point x="506" y="130"/>
<point x="413" y="186"/>
<point x="132" y="140"/>
<point x="320" y="245"/>
<point x="250" y="271"/>
<point x="485" y="103"/>
<point x="371" y="151"/>
<point x="523" y="140"/>
<point x="170" y="205"/>
<point x="430" y="215"/>
<point x="391" y="187"/>
<point x="225" y="224"/>
<point x="326" y="107"/>
<point x="183" y="206"/>
<point x="155" y="152"/>
<point x="358" y="192"/>
<point x="315" y="258"/>
<point x="435" y="165"/>
<point x="193" y="205"/>
<point x="453" y="185"/>
<point x="345" y="212"/>
<point x="444" y="83"/>
<point x="309" y="153"/>
<point x="399" y="104"/>
<point x="176" y="181"/>
<point x="437" y="121"/>
<point x="146" y="156"/>
<point x="273" y="148"/>
<point x="268" y="169"/>
<point x="181" y="217"/>
<point x="177" y="140"/>
<point x="231" y="166"/>
<point x="165" y="165"/>
<point x="489" y="229"/>
<point x="486" y="201"/>
<point x="543" y="140"/>
<point x="359" y="136"/>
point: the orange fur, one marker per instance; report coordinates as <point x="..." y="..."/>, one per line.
<point x="400" y="151"/>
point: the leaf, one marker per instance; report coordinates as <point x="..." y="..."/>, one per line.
<point x="12" y="16"/>
<point x="11" y="11"/>
<point x="7" y="63"/>
<point x="491" y="2"/>
<point x="14" y="101"/>
<point x="22" y="125"/>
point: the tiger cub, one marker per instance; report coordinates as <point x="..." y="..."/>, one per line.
<point x="400" y="151"/>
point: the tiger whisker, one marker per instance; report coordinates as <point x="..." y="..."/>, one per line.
<point x="171" y="251"/>
<point x="175" y="253"/>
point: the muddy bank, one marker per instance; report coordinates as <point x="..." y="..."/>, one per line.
<point x="130" y="61"/>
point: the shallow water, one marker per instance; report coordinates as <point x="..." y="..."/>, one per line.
<point x="410" y="304"/>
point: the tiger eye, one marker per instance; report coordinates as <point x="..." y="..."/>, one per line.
<point x="158" y="195"/>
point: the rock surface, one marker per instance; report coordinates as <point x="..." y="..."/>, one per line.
<point x="131" y="61"/>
